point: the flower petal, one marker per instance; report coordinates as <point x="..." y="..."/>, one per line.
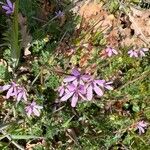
<point x="97" y="90"/>
<point x="71" y="87"/>
<point x="19" y="96"/>
<point x="24" y="96"/>
<point x="89" y="93"/>
<point x="85" y="77"/>
<point x="135" y="54"/>
<point x="110" y="53"/>
<point x="81" y="89"/>
<point x="9" y="3"/>
<point x="131" y="51"/>
<point x="142" y="54"/>
<point x="100" y="82"/>
<point x="114" y="51"/>
<point x="145" y="49"/>
<point x="75" y="72"/>
<point x="28" y="111"/>
<point x="69" y="78"/>
<point x="74" y="100"/>
<point x="9" y="93"/>
<point x="5" y="87"/>
<point x="108" y="87"/>
<point x="83" y="97"/>
<point x="36" y="112"/>
<point x="39" y="107"/>
<point x="142" y="124"/>
<point x="76" y="82"/>
<point x="6" y="8"/>
<point x="131" y="54"/>
<point x="141" y="130"/>
<point x="61" y="92"/>
<point x="66" y="96"/>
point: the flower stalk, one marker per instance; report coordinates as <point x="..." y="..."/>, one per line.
<point x="15" y="48"/>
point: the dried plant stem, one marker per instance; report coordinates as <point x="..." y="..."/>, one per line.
<point x="36" y="77"/>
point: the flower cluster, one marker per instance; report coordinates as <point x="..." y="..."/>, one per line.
<point x="14" y="90"/>
<point x="141" y="126"/>
<point x="19" y="93"/>
<point x="8" y="7"/>
<point x="109" y="52"/>
<point x="81" y="87"/>
<point x="137" y="53"/>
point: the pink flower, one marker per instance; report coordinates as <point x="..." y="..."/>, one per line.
<point x="138" y="53"/>
<point x="9" y="7"/>
<point x="142" y="52"/>
<point x="140" y="126"/>
<point x="76" y="76"/>
<point x="11" y="90"/>
<point x="61" y="90"/>
<point x="74" y="91"/>
<point x="14" y="90"/>
<point x="133" y="53"/>
<point x="107" y="85"/>
<point x="97" y="86"/>
<point x="79" y="86"/>
<point x="22" y="94"/>
<point x="33" y="109"/>
<point x="109" y="52"/>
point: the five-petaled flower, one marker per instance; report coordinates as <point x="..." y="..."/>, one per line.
<point x="141" y="126"/>
<point x="81" y="87"/>
<point x="138" y="52"/>
<point x="142" y="52"/>
<point x="14" y="90"/>
<point x="76" y="77"/>
<point x="8" y="7"/>
<point x="109" y="52"/>
<point x="33" y="109"/>
<point x="76" y="92"/>
<point x="61" y="89"/>
<point x="133" y="53"/>
<point x="97" y="86"/>
<point x="22" y="94"/>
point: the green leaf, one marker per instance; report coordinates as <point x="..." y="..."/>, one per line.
<point x="26" y="137"/>
<point x="66" y="124"/>
<point x="136" y="108"/>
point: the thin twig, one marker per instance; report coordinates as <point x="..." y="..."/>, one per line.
<point x="38" y="19"/>
<point x="49" y="21"/>
<point x="143" y="75"/>
<point x="36" y="77"/>
<point x="90" y="29"/>
<point x="63" y="37"/>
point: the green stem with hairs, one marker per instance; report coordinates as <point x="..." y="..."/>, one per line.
<point x="15" y="48"/>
